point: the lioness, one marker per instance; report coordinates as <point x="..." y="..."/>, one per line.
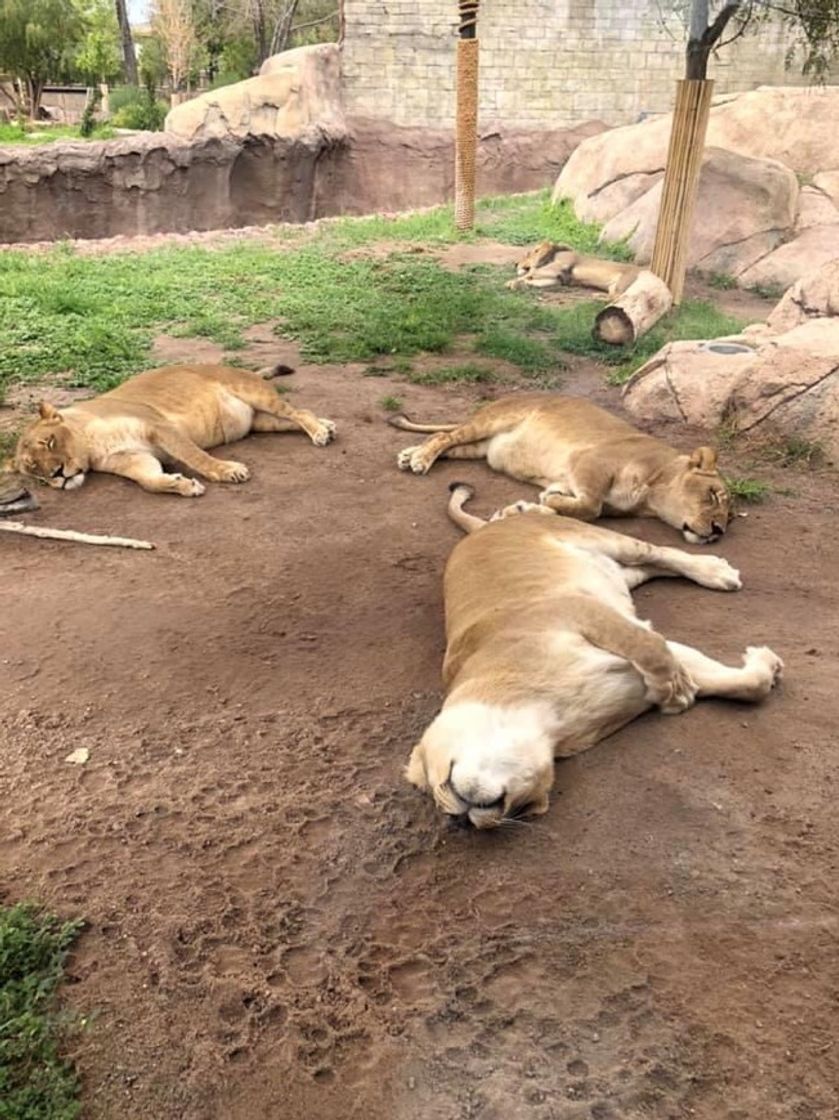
<point x="166" y="415"/>
<point x="588" y="461"/>
<point x="545" y="656"/>
<point x="549" y="265"/>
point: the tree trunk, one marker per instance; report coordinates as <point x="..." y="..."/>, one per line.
<point x="466" y="137"/>
<point x="635" y="312"/>
<point x="34" y="90"/>
<point x="129" y="58"/>
<point x="282" y="28"/>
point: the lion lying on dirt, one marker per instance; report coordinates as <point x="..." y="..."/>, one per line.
<point x="588" y="461"/>
<point x="166" y="415"/>
<point x="545" y="656"/>
<point x="549" y="265"/>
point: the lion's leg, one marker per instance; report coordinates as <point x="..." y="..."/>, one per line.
<point x="708" y="571"/>
<point x="476" y="433"/>
<point x="760" y="672"/>
<point x="175" y="445"/>
<point x="668" y="683"/>
<point x="636" y="576"/>
<point x="468" y="451"/>
<point x="267" y="401"/>
<point x="262" y="422"/>
<point x="144" y="469"/>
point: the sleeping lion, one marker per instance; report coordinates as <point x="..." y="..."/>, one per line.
<point x="545" y="656"/>
<point x="589" y="462"/>
<point x="549" y="265"/>
<point x="163" y="416"/>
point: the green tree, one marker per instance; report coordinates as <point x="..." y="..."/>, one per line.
<point x="38" y="39"/>
<point x="99" y="58"/>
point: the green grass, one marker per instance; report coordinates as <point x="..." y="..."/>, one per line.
<point x="35" y="1083"/>
<point x="693" y="319"/>
<point x="722" y="281"/>
<point x="767" y="291"/>
<point x="390" y="404"/>
<point x="48" y="133"/>
<point x="749" y="490"/>
<point x="797" y="452"/>
<point x="93" y="319"/>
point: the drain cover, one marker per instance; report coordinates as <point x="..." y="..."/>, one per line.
<point x="726" y="348"/>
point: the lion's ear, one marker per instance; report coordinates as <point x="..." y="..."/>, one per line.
<point x="48" y="412"/>
<point x="703" y="459"/>
<point x="415" y="771"/>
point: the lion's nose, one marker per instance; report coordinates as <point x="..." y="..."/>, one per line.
<point x="718" y="529"/>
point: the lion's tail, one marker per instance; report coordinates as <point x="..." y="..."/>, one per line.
<point x="461" y="493"/>
<point x="276" y="370"/>
<point x="401" y="421"/>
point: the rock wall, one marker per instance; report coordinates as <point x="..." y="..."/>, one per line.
<point x="273" y="148"/>
<point x="544" y="63"/>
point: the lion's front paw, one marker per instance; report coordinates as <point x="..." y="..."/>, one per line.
<point x="231" y="471"/>
<point x="766" y="665"/>
<point x="718" y="574"/>
<point x="413" y="459"/>
<point x="517" y="282"/>
<point x="187" y="487"/>
<point x="674" y="693"/>
<point x="325" y="432"/>
<point x="555" y="490"/>
<point x="520" y="507"/>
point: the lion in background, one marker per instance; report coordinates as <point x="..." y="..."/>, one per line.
<point x="549" y="265"/>
<point x="161" y="417"/>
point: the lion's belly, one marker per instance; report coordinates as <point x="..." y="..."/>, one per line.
<point x="235" y="416"/>
<point x="516" y="454"/>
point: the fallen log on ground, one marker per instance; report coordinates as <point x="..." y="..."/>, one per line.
<point x="639" y="308"/>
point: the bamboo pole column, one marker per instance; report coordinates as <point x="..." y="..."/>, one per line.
<point x="681" y="182"/>
<point x="466" y="136"/>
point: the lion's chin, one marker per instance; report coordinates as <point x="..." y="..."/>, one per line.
<point x="75" y="481"/>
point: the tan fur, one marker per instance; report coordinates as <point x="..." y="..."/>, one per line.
<point x="167" y="415"/>
<point x="588" y="462"/>
<point x="549" y="265"/>
<point x="545" y="656"/>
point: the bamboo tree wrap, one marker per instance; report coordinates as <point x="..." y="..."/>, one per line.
<point x="681" y="182"/>
<point x="467" y="133"/>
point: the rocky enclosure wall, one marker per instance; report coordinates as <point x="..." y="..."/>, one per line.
<point x="544" y="63"/>
<point x="161" y="182"/>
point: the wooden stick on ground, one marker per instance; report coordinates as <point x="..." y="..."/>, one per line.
<point x="69" y="535"/>
<point x="631" y="315"/>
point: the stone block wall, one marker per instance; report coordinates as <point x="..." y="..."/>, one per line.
<point x="544" y="63"/>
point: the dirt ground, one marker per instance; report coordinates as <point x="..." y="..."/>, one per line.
<point x="281" y="929"/>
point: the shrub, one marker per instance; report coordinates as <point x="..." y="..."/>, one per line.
<point x="146" y="113"/>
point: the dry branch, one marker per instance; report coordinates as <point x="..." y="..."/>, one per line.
<point x="70" y="535"/>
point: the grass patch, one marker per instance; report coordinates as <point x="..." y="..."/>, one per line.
<point x="468" y="373"/>
<point x="49" y="133"/>
<point x="797" y="452"/>
<point x="749" y="490"/>
<point x="93" y="319"/>
<point x="722" y="281"/>
<point x="391" y="404"/>
<point x="35" y="1083"/>
<point x="767" y="291"/>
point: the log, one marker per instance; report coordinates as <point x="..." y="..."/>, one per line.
<point x="640" y="307"/>
<point x="70" y="535"/>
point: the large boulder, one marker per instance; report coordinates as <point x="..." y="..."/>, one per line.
<point x="795" y="126"/>
<point x="296" y="93"/>
<point x="781" y="377"/>
<point x="742" y="209"/>
<point x="786" y="264"/>
<point x="748" y="206"/>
